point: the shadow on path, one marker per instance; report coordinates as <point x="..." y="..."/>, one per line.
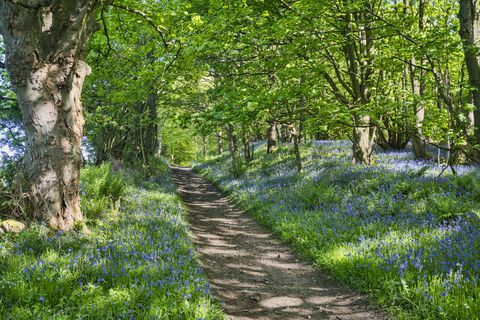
<point x="254" y="274"/>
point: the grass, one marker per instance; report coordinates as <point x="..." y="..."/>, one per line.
<point x="395" y="230"/>
<point x="138" y="262"/>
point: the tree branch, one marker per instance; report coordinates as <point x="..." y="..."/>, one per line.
<point x="340" y="97"/>
<point x="338" y="72"/>
<point x="27" y="5"/>
<point x="145" y="17"/>
<point x="105" y="31"/>
<point x="412" y="64"/>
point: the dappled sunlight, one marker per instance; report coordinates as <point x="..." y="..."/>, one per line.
<point x="281" y="302"/>
<point x="394" y="229"/>
<point x="253" y="274"/>
<point x="137" y="263"/>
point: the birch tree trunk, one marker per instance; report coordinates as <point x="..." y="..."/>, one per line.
<point x="44" y="45"/>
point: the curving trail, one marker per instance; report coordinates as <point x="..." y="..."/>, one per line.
<point x="255" y="275"/>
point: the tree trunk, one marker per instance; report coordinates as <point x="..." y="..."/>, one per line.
<point x="233" y="149"/>
<point x="417" y="85"/>
<point x="150" y="130"/>
<point x="220" y="143"/>
<point x="469" y="16"/>
<point x="246" y="148"/>
<point x="360" y="71"/>
<point x="296" y="147"/>
<point x="362" y="147"/>
<point x="272" y="137"/>
<point x="417" y="79"/>
<point x="44" y="46"/>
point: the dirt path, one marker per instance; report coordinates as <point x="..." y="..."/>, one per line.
<point x="255" y="275"/>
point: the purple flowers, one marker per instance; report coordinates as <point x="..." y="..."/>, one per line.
<point x="395" y="220"/>
<point x="143" y="258"/>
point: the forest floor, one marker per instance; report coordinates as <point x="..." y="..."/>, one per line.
<point x="254" y="274"/>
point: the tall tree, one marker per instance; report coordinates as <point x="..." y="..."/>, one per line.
<point x="469" y="16"/>
<point x="44" y="47"/>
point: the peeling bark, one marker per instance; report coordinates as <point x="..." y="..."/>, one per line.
<point x="44" y="50"/>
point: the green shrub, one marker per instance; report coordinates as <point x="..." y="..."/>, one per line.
<point x="94" y="208"/>
<point x="468" y="183"/>
<point x="446" y="207"/>
<point x="313" y="195"/>
<point x="101" y="188"/>
<point x="157" y="166"/>
<point x="101" y="181"/>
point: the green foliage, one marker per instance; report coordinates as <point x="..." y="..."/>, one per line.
<point x="177" y="144"/>
<point x="313" y="195"/>
<point x="101" y="188"/>
<point x="470" y="184"/>
<point x="158" y="166"/>
<point x="447" y="208"/>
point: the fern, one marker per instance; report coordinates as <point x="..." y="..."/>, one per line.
<point x="101" y="188"/>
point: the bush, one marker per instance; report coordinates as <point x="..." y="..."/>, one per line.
<point x="101" y="188"/>
<point x="157" y="166"/>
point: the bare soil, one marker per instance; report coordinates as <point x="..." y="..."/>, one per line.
<point x="253" y="273"/>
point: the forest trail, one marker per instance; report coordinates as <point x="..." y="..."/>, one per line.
<point x="254" y="274"/>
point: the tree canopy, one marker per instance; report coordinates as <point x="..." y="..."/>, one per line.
<point x="379" y="73"/>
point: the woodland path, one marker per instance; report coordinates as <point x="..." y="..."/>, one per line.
<point x="255" y="275"/>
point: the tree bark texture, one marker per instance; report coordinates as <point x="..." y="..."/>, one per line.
<point x="44" y="48"/>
